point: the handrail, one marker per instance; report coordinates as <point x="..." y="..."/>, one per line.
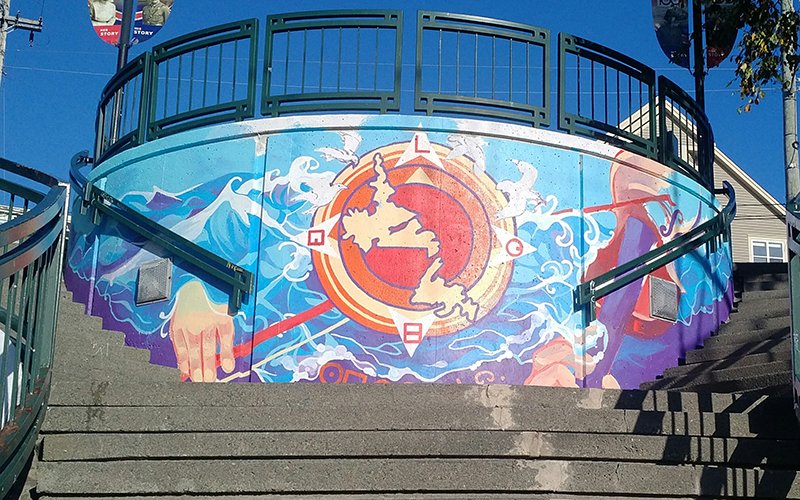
<point x="601" y="93"/>
<point x="587" y="293"/>
<point x="32" y="241"/>
<point x="241" y="280"/>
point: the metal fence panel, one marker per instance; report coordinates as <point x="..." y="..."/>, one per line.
<point x="686" y="142"/>
<point x="477" y="66"/>
<point x="203" y="78"/>
<point x="332" y="61"/>
<point x="606" y="95"/>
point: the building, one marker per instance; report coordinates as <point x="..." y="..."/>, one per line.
<point x="759" y="229"/>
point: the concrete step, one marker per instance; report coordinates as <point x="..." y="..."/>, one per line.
<point x="99" y="345"/>
<point x="746" y="337"/>
<point x="737" y="350"/>
<point x="379" y="496"/>
<point x="737" y="324"/>
<point x="409" y="475"/>
<point x="708" y="366"/>
<point x="123" y="393"/>
<point x="447" y="444"/>
<point x="102" y="373"/>
<point x="447" y="415"/>
<point x="778" y="382"/>
<point x="726" y="374"/>
<point x="775" y="293"/>
<point x="765" y="285"/>
<point x="763" y="308"/>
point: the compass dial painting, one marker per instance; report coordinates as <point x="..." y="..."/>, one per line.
<point x="412" y="246"/>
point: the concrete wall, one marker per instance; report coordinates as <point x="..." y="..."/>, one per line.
<point x="402" y="249"/>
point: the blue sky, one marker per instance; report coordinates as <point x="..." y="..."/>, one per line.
<point x="49" y="92"/>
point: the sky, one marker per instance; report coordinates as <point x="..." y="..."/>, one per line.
<point x="49" y="91"/>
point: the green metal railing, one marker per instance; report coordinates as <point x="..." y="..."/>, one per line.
<point x="713" y="232"/>
<point x="509" y="79"/>
<point x="332" y="61"/>
<point x="686" y="139"/>
<point x="203" y="78"/>
<point x="350" y="61"/>
<point x="793" y="227"/>
<point x="240" y="280"/>
<point x="192" y="81"/>
<point x="32" y="236"/>
<point x="606" y="95"/>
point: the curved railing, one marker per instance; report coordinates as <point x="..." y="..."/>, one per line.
<point x="351" y="61"/>
<point x="32" y="236"/>
<point x="712" y="232"/>
<point x="240" y="280"/>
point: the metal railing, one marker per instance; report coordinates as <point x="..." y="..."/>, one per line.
<point x="332" y="61"/>
<point x="187" y="93"/>
<point x="713" y="232"/>
<point x="606" y="95"/>
<point x="686" y="138"/>
<point x="30" y="280"/>
<point x="350" y="61"/>
<point x="793" y="227"/>
<point x="486" y="67"/>
<point x="240" y="280"/>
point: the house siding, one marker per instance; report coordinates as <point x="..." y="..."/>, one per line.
<point x="753" y="219"/>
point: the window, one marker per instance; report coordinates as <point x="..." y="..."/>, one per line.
<point x="766" y="251"/>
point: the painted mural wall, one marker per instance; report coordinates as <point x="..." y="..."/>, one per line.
<point x="397" y="249"/>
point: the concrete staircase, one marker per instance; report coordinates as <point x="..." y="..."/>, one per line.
<point x="752" y="352"/>
<point x="118" y="427"/>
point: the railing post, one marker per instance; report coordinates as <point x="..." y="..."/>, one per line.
<point x="792" y="211"/>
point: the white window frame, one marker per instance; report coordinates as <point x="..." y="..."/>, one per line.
<point x="766" y="241"/>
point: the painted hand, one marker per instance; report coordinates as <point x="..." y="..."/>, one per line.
<point x="197" y="327"/>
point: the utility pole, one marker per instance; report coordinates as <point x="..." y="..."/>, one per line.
<point x="125" y="34"/>
<point x="699" y="49"/>
<point x="9" y="23"/>
<point x="790" y="120"/>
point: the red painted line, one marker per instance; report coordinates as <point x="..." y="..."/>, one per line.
<point x="611" y="206"/>
<point x="276" y="329"/>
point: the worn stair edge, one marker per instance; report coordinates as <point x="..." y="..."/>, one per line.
<point x="775" y="293"/>
<point x="445" y="416"/>
<point x="355" y="444"/>
<point x="741" y="325"/>
<point x="780" y="381"/>
<point x="746" y="337"/>
<point x="708" y="366"/>
<point x="116" y="393"/>
<point x="765" y="285"/>
<point x="380" y="496"/>
<point x="410" y="475"/>
<point x="728" y="373"/>
<point x="767" y="308"/>
<point x="725" y="351"/>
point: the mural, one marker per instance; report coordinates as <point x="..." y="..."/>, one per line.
<point x="389" y="252"/>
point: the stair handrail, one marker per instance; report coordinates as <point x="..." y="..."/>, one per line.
<point x="241" y="280"/>
<point x="31" y="256"/>
<point x="712" y="231"/>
